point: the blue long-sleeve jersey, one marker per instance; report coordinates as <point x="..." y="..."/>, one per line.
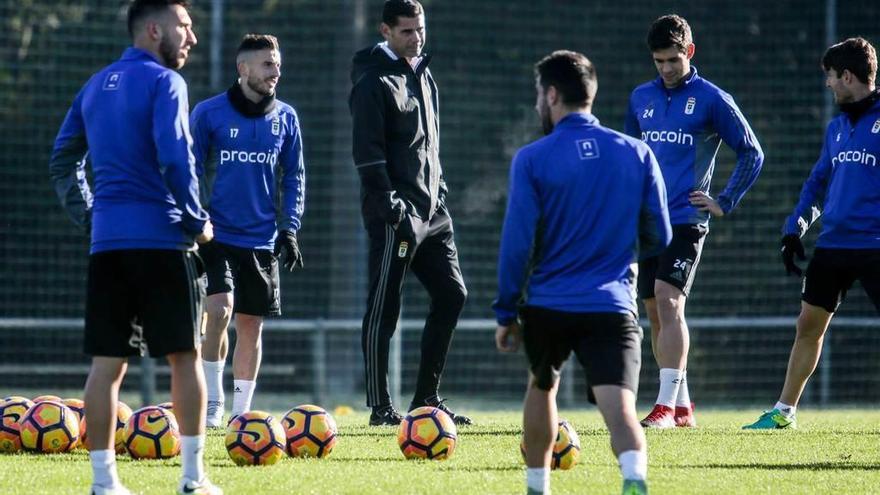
<point x="684" y="127"/>
<point x="132" y="119"/>
<point x="844" y="186"/>
<point x="238" y="158"/>
<point x="585" y="203"/>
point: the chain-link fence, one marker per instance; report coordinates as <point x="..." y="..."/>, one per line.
<point x="764" y="53"/>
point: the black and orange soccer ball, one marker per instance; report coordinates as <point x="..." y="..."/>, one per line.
<point x="566" y="448"/>
<point x="255" y="438"/>
<point x="49" y="427"/>
<point x="311" y="431"/>
<point x="427" y="433"/>
<point x="12" y="409"/>
<point x="151" y="433"/>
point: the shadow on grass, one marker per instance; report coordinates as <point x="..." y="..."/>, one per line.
<point x="482" y="469"/>
<point x="809" y="466"/>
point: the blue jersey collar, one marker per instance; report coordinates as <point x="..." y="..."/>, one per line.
<point x="689" y="79"/>
<point x="134" y="53"/>
<point x="576" y="119"/>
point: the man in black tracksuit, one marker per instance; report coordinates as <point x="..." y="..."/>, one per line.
<point x="395" y="146"/>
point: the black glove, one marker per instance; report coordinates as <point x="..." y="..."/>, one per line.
<point x="791" y="246"/>
<point x="287" y="242"/>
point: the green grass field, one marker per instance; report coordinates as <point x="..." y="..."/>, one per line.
<point x="833" y="452"/>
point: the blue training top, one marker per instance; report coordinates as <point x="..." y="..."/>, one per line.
<point x="684" y="127"/>
<point x="844" y="186"/>
<point x="585" y="203"/>
<point x="132" y="119"/>
<point x="238" y="158"/>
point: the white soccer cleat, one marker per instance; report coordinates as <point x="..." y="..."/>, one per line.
<point x="214" y="418"/>
<point x="202" y="487"/>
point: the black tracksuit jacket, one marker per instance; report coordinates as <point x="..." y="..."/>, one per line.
<point x="396" y="137"/>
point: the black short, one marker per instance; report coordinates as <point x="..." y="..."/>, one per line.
<point x="832" y="272"/>
<point x="608" y="346"/>
<point x="252" y="274"/>
<point x="677" y="264"/>
<point x="143" y="300"/>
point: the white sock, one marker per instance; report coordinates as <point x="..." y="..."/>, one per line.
<point x="670" y="379"/>
<point x="192" y="455"/>
<point x="538" y="479"/>
<point x="104" y="468"/>
<point x="633" y="464"/>
<point x="785" y="409"/>
<point x="242" y="396"/>
<point x="684" y="397"/>
<point x="214" y="380"/>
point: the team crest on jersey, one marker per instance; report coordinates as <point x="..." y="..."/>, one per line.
<point x="689" y="106"/>
<point x="402" y="249"/>
<point x="111" y="82"/>
<point x="648" y="113"/>
<point x="276" y="126"/>
<point x="588" y="149"/>
<point x="876" y="128"/>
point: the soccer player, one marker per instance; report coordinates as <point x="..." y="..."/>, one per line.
<point x="243" y="141"/>
<point x="684" y="118"/>
<point x="844" y="187"/>
<point x="144" y="289"/>
<point x="584" y="202"/>
<point x="394" y="105"/>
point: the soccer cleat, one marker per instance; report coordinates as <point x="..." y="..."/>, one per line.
<point x="458" y="419"/>
<point x="202" y="487"/>
<point x="635" y="487"/>
<point x="214" y="418"/>
<point x="116" y="490"/>
<point x="385" y="416"/>
<point x="684" y="417"/>
<point x="660" y="417"/>
<point x="773" y="420"/>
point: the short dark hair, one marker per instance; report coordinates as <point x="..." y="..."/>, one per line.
<point x="571" y="73"/>
<point x="400" y="8"/>
<point x="856" y="55"/>
<point x="670" y="31"/>
<point x="257" y="42"/>
<point x="140" y="9"/>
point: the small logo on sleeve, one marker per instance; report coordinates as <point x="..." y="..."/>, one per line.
<point x="588" y="149"/>
<point x="276" y="126"/>
<point x="876" y="128"/>
<point x="689" y="106"/>
<point x="111" y="82"/>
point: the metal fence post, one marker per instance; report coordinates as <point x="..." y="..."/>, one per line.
<point x="319" y="361"/>
<point x="829" y="110"/>
<point x="148" y="380"/>
<point x="216" y="44"/>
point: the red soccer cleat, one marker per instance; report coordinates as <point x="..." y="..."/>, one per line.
<point x="661" y="417"/>
<point x="684" y="417"/>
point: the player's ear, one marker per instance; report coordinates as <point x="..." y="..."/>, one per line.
<point x="385" y="31"/>
<point x="552" y="95"/>
<point x="690" y="50"/>
<point x="153" y="29"/>
<point x="241" y="64"/>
